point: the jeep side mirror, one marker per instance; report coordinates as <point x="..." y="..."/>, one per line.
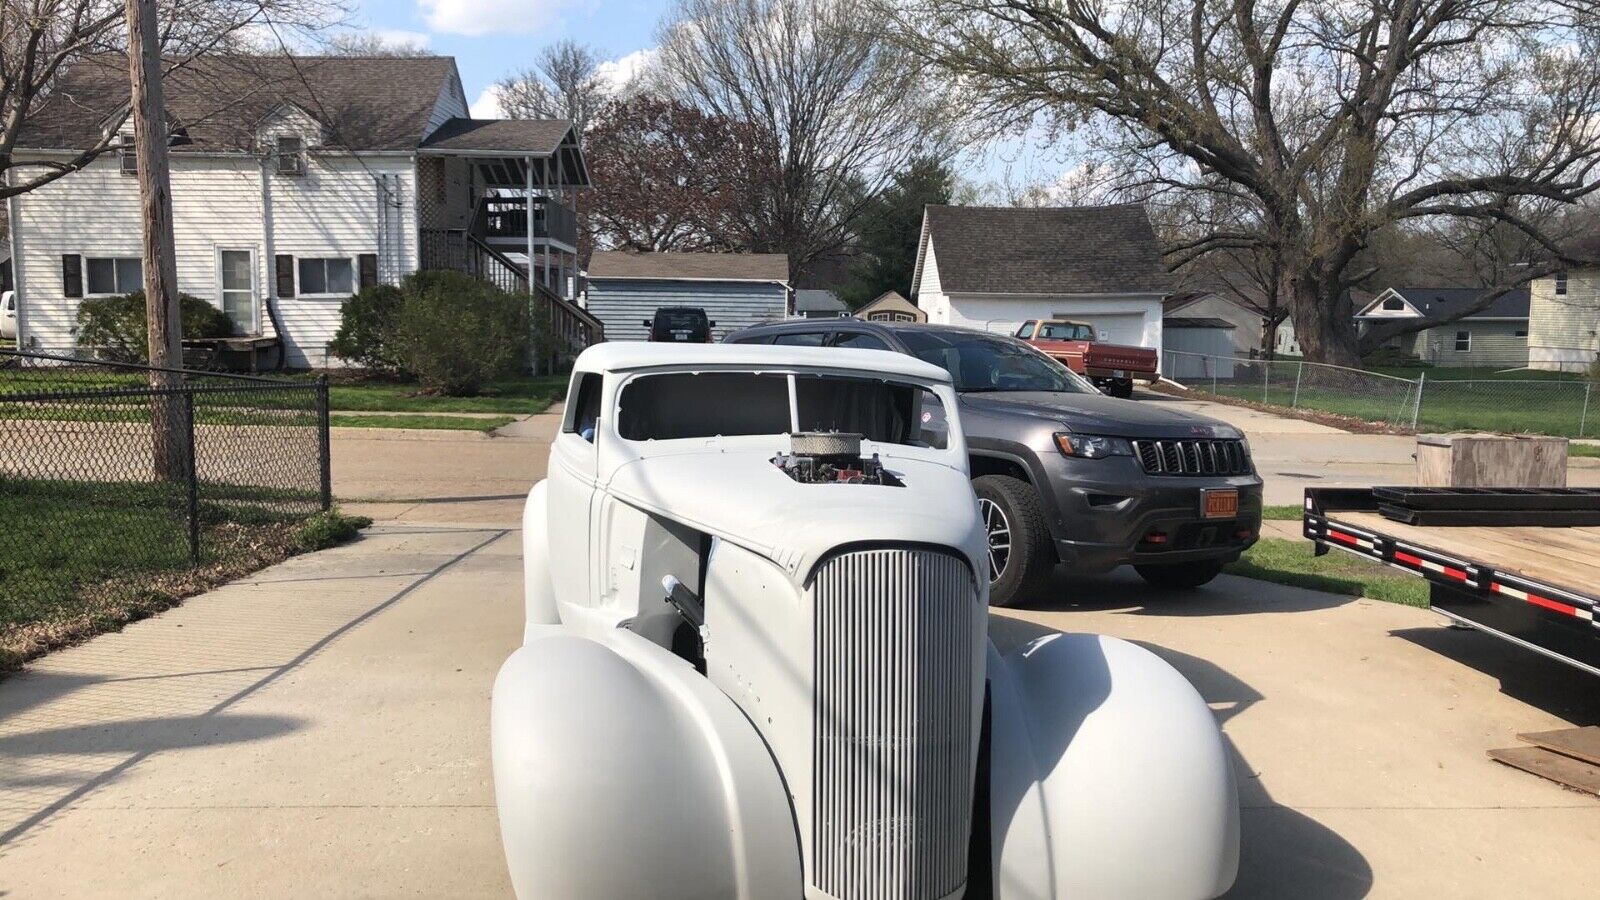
<point x="647" y="323"/>
<point x="711" y="324"/>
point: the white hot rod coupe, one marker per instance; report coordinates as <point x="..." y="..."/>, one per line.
<point x="757" y="663"/>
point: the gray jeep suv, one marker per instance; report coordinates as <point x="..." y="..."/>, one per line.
<point x="1065" y="474"/>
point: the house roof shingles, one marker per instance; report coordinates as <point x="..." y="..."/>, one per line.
<point x="1068" y="250"/>
<point x="1431" y="302"/>
<point x="818" y="300"/>
<point x="531" y="135"/>
<point x="689" y="266"/>
<point x="364" y="103"/>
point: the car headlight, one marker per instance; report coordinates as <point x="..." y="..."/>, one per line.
<point x="1093" y="446"/>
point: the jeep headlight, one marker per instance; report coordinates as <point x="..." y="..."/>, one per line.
<point x="1093" y="446"/>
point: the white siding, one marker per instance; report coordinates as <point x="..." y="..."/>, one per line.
<point x="1217" y="345"/>
<point x="622" y="305"/>
<point x="217" y="204"/>
<point x="1492" y="344"/>
<point x="1562" y="330"/>
<point x="930" y="293"/>
<point x="1118" y="320"/>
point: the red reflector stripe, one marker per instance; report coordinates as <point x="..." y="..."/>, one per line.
<point x="1536" y="600"/>
<point x="1454" y="573"/>
<point x="1343" y="538"/>
<point x="1407" y="558"/>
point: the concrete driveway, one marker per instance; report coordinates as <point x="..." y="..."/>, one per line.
<point x="320" y="729"/>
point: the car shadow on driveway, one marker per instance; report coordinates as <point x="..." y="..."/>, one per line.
<point x="1228" y="595"/>
<point x="1555" y="687"/>
<point x="1283" y="853"/>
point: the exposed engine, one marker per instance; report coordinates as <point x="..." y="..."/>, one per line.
<point x="831" y="457"/>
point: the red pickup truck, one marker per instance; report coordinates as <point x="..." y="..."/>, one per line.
<point x="1112" y="367"/>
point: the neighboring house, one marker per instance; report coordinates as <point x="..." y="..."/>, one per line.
<point x="891" y="307"/>
<point x="1211" y="320"/>
<point x="1197" y="347"/>
<point x="1564" y="320"/>
<point x="296" y="182"/>
<point x="1494" y="336"/>
<point x="737" y="290"/>
<point x="994" y="268"/>
<point x="815" y="303"/>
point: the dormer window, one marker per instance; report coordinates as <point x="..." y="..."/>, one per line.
<point x="1394" y="303"/>
<point x="128" y="158"/>
<point x="291" y="154"/>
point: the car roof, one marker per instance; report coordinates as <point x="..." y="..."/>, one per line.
<point x="619" y="356"/>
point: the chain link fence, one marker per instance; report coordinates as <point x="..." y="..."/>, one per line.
<point x="112" y="475"/>
<point x="1434" y="401"/>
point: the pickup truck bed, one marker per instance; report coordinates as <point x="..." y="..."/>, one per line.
<point x="1538" y="587"/>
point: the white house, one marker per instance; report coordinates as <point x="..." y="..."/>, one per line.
<point x="295" y="182"/>
<point x="993" y="268"/>
<point x="1564" y="320"/>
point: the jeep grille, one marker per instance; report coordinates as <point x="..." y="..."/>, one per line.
<point x="895" y="632"/>
<point x="1205" y="457"/>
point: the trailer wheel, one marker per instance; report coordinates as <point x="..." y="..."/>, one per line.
<point x="1021" y="558"/>
<point x="1179" y="576"/>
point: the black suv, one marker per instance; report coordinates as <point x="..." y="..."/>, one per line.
<point x="684" y="324"/>
<point x="1065" y="474"/>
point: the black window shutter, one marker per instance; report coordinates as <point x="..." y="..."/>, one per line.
<point x="72" y="275"/>
<point x="367" y="263"/>
<point x="285" y="272"/>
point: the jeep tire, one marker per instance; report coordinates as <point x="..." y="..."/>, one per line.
<point x="1020" y="548"/>
<point x="1180" y="576"/>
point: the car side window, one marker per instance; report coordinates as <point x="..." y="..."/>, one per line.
<point x="858" y="341"/>
<point x="583" y="406"/>
<point x="757" y="339"/>
<point x="1026" y="329"/>
<point x="801" y="338"/>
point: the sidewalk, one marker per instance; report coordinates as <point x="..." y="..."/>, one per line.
<point x="319" y="729"/>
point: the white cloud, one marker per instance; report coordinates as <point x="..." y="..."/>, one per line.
<point x="619" y="74"/>
<point x="487" y="106"/>
<point x="479" y="17"/>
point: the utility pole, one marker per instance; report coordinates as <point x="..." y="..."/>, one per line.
<point x="167" y="419"/>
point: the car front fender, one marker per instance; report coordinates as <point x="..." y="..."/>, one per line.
<point x="1108" y="776"/>
<point x="620" y="772"/>
<point x="539" y="593"/>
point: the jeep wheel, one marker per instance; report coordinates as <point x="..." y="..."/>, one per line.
<point x="1180" y="575"/>
<point x="1021" y="559"/>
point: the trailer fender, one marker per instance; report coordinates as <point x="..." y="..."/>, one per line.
<point x="620" y="772"/>
<point x="1108" y="776"/>
<point x="539" y="593"/>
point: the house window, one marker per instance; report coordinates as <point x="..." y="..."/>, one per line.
<point x="109" y="275"/>
<point x="1520" y="333"/>
<point x="1394" y="304"/>
<point x="1561" y="284"/>
<point x="1463" y="342"/>
<point x="326" y="276"/>
<point x="291" y="156"/>
<point x="128" y="157"/>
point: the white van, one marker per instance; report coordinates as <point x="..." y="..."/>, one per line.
<point x="8" y="316"/>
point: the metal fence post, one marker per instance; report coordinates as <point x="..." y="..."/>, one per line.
<point x="193" y="459"/>
<point x="1266" y="379"/>
<point x="1583" y="417"/>
<point x="1298" y="372"/>
<point x="1416" y="407"/>
<point x="324" y="450"/>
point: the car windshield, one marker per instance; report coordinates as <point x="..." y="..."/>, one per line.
<point x="1066" y="331"/>
<point x="680" y="319"/>
<point x="987" y="362"/>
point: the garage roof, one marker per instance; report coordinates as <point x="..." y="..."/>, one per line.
<point x="629" y="264"/>
<point x="1065" y="250"/>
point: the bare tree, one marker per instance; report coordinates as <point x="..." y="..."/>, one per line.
<point x="847" y="111"/>
<point x="1299" y="128"/>
<point x="371" y="43"/>
<point x="563" y="84"/>
<point x="40" y="39"/>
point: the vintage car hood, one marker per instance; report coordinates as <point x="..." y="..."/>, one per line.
<point x="740" y="496"/>
<point x="1099" y="414"/>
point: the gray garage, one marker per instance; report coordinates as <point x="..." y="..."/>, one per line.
<point x="736" y="290"/>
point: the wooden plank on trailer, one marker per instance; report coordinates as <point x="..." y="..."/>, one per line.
<point x="1561" y="557"/>
<point x="1563" y="770"/>
<point x="1578" y="743"/>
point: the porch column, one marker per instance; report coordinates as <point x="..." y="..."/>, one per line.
<point x="527" y="213"/>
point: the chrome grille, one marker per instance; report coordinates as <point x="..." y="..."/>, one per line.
<point x="1224" y="456"/>
<point x="893" y="729"/>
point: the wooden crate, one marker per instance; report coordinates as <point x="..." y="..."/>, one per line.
<point x="1491" y="460"/>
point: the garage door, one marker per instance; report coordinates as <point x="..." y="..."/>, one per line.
<point x="1112" y="328"/>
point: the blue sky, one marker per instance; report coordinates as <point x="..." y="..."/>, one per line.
<point x="490" y="38"/>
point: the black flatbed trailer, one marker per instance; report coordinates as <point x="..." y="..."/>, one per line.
<point x="1537" y="586"/>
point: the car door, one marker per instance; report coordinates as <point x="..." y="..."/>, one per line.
<point x="573" y="481"/>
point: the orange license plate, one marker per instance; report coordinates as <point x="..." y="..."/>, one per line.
<point x="1219" y="504"/>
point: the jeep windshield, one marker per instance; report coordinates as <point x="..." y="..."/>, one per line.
<point x="989" y="363"/>
<point x="680" y="405"/>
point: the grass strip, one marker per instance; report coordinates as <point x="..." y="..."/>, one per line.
<point x="1283" y="561"/>
<point x="421" y="421"/>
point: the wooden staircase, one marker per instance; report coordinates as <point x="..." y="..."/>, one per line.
<point x="1569" y="757"/>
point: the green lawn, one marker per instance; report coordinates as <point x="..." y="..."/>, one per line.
<point x="520" y="396"/>
<point x="1583" y="449"/>
<point x="1291" y="562"/>
<point x="1281" y="513"/>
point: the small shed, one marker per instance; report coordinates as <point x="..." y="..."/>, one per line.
<point x="1197" y="347"/>
<point x="891" y="307"/>
<point x="736" y="290"/>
